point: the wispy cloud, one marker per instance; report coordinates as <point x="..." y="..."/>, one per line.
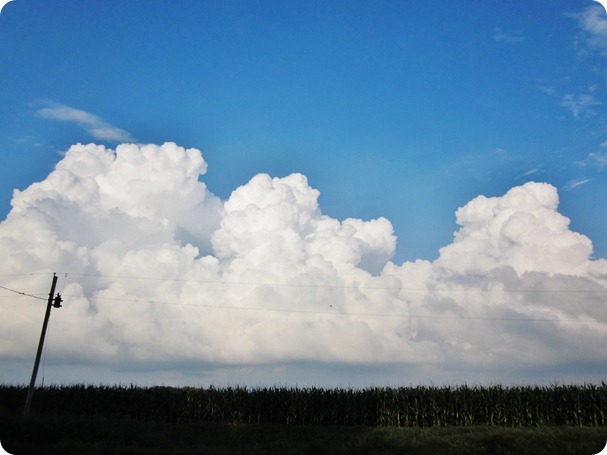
<point x="579" y="103"/>
<point x="94" y="125"/>
<point x="597" y="160"/>
<point x="547" y="89"/>
<point x="593" y="22"/>
<point x="508" y="37"/>
<point x="530" y="172"/>
<point x="573" y="184"/>
<point x="29" y="140"/>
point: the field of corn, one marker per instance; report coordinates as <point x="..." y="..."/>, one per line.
<point x="521" y="406"/>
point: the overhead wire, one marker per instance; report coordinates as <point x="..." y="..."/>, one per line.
<point x="346" y="313"/>
<point x="23" y="274"/>
<point x="22" y="293"/>
<point x="337" y="286"/>
<point x="336" y="313"/>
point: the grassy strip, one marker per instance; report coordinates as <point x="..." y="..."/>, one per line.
<point x="87" y="435"/>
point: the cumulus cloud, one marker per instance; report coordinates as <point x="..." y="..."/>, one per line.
<point x="158" y="274"/>
<point x="95" y="126"/>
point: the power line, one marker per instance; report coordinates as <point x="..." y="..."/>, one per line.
<point x="334" y="313"/>
<point x="23" y="274"/>
<point x="344" y="313"/>
<point x="22" y="293"/>
<point x="336" y="286"/>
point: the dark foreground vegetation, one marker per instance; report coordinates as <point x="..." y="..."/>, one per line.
<point x="417" y="420"/>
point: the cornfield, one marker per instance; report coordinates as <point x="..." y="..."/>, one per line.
<point x="421" y="406"/>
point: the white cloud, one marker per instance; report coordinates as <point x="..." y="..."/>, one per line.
<point x="573" y="184"/>
<point x="508" y="37"/>
<point x="95" y="126"/>
<point x="521" y="229"/>
<point x="530" y="172"/>
<point x="164" y="277"/>
<point x="578" y="104"/>
<point x="596" y="160"/>
<point x="547" y="90"/>
<point x="593" y="23"/>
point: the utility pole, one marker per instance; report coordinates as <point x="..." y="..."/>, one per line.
<point x="52" y="301"/>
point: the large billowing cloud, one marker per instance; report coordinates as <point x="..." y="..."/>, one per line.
<point x="164" y="276"/>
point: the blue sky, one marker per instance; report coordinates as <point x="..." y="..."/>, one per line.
<point x="399" y="109"/>
<point x="398" y="113"/>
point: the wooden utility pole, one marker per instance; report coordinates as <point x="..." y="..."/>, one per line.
<point x="52" y="301"/>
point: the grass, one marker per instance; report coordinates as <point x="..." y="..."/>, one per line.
<point x="89" y="434"/>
